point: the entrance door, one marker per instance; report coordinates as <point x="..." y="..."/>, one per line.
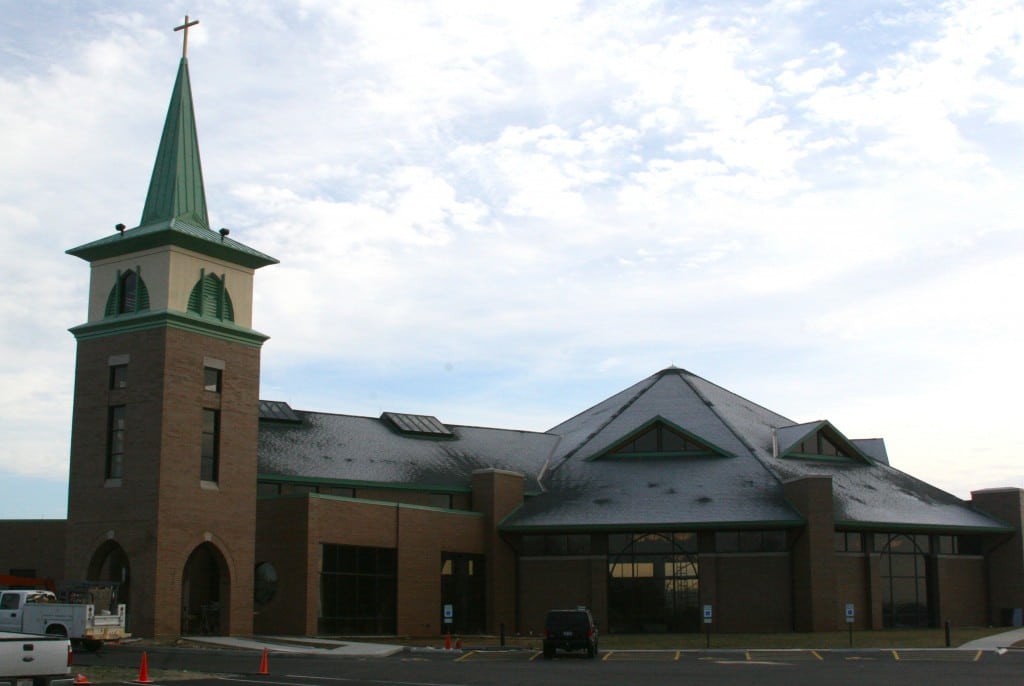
<point x="204" y="590"/>
<point x="463" y="591"/>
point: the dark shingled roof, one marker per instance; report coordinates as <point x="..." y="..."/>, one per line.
<point x="368" y="450"/>
<point x="587" y="487"/>
<point x="577" y="483"/>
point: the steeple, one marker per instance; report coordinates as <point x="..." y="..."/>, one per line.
<point x="176" y="187"/>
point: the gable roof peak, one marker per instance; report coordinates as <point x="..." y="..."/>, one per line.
<point x="176" y="188"/>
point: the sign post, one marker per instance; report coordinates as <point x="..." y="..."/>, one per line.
<point x="707" y="625"/>
<point x="851" y="614"/>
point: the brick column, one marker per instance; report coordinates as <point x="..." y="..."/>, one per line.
<point x="1004" y="555"/>
<point x="496" y="493"/>
<point x="814" y="576"/>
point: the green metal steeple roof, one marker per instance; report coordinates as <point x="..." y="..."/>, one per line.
<point x="175" y="210"/>
<point x="176" y="187"/>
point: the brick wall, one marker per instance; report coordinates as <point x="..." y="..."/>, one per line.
<point x="962" y="590"/>
<point x="159" y="512"/>
<point x="752" y="591"/>
<point x="33" y="544"/>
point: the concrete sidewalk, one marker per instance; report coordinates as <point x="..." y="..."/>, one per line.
<point x="297" y="645"/>
<point x="327" y="647"/>
<point x="996" y="641"/>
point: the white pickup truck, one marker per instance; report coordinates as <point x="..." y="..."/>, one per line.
<point x="34" y="660"/>
<point x="38" y="612"/>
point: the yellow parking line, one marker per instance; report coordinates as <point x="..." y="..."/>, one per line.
<point x="678" y="652"/>
<point x="815" y="654"/>
<point x="536" y="655"/>
<point x="466" y="656"/>
<point x="977" y="656"/>
<point x="896" y="655"/>
<point x="747" y="653"/>
<point x="607" y="655"/>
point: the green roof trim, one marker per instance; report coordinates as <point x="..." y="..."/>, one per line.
<point x="376" y="485"/>
<point x="156" y="319"/>
<point x="369" y="501"/>
<point x="176" y="187"/>
<point x="385" y="503"/>
<point x="905" y="528"/>
<point x="661" y="527"/>
<point x="174" y="232"/>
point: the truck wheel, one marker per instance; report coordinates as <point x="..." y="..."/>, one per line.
<point x="56" y="630"/>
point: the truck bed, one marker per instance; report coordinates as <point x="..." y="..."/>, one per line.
<point x="33" y="660"/>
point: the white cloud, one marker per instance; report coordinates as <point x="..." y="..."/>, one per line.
<point x="547" y="199"/>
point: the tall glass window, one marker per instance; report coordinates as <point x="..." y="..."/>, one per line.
<point x="904" y="579"/>
<point x="358" y="590"/>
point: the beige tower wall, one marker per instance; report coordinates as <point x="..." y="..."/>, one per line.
<point x="170" y="273"/>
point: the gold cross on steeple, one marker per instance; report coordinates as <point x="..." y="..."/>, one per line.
<point x="184" y="27"/>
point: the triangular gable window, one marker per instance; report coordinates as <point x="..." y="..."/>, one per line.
<point x="821" y="441"/>
<point x="659" y="439"/>
<point x="820" y="445"/>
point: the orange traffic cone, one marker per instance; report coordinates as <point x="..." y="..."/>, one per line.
<point x="458" y="644"/>
<point x="143" y="671"/>
<point x="447" y="641"/>
<point x="82" y="680"/>
<point x="263" y="663"/>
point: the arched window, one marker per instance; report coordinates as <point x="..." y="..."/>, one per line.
<point x="653" y="583"/>
<point x="904" y="571"/>
<point x="128" y="295"/>
<point x="210" y="298"/>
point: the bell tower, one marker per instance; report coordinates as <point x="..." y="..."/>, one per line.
<point x="162" y="492"/>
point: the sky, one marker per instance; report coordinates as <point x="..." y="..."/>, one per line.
<point x="500" y="214"/>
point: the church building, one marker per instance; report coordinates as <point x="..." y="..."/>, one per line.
<point x="670" y="503"/>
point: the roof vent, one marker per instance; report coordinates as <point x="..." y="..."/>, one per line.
<point x="417" y="425"/>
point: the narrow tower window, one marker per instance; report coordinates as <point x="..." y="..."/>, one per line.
<point x="118" y="376"/>
<point x="212" y="379"/>
<point x="115" y="442"/>
<point x="129" y="294"/>
<point x="211" y="445"/>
